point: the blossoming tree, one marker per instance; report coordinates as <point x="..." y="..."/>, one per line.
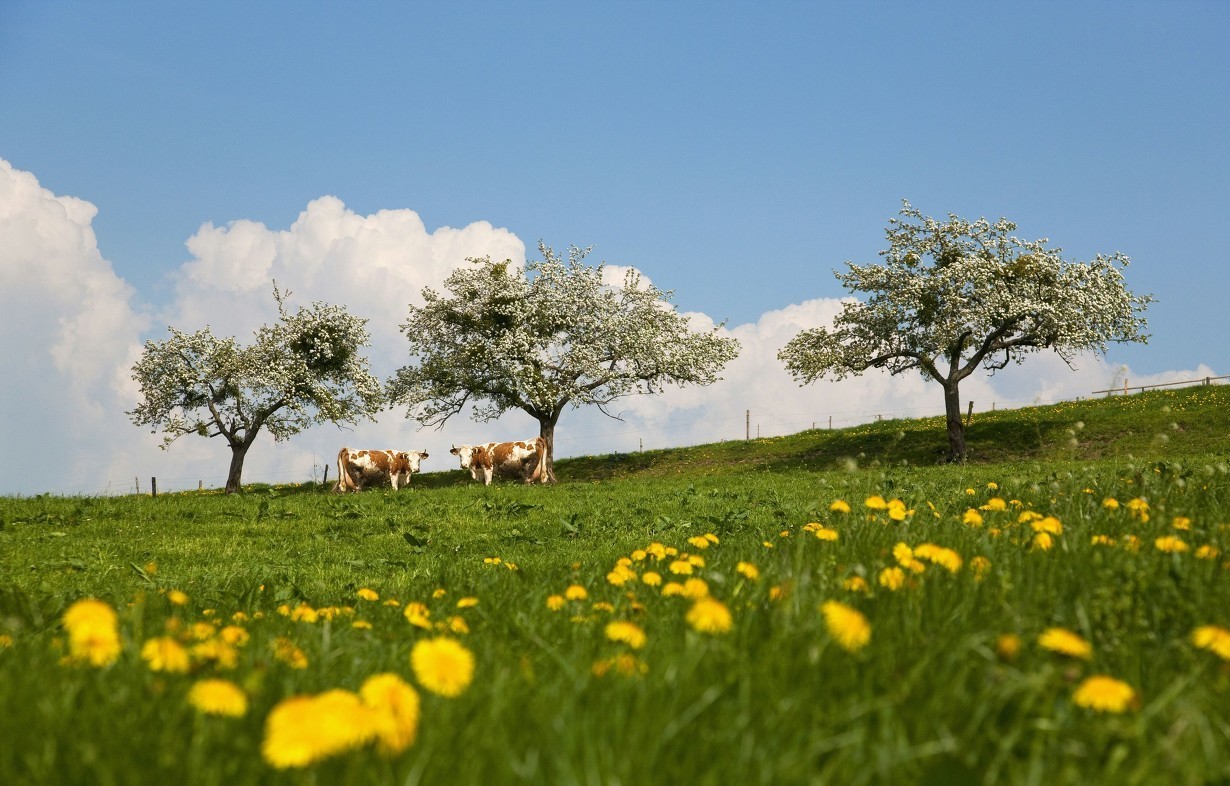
<point x="304" y="369"/>
<point x="957" y="295"/>
<point x="544" y="338"/>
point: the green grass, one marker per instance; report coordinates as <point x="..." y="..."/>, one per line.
<point x="776" y="700"/>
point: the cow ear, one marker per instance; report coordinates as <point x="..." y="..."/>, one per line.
<point x="423" y="455"/>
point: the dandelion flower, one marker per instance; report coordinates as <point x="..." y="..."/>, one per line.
<point x="1049" y="525"/>
<point x="1008" y="646"/>
<point x="177" y="597"/>
<point x="1181" y="523"/>
<point x="442" y="665"/>
<point x="892" y="578"/>
<point x="1214" y="639"/>
<point x="397" y="708"/>
<point x="1043" y="541"/>
<point x="840" y="506"/>
<point x="367" y="594"/>
<point x="417" y="614"/>
<point x="856" y="584"/>
<point x="972" y="517"/>
<point x="627" y="632"/>
<point x="875" y="502"/>
<point x="681" y="567"/>
<point x="467" y="603"/>
<point x="695" y="588"/>
<point x="846" y="625"/>
<point x="995" y="504"/>
<point x="897" y="510"/>
<point x="93" y="632"/>
<point x="1104" y="694"/>
<point x="286" y="651"/>
<point x="576" y="592"/>
<point x="748" y="571"/>
<point x="980" y="565"/>
<point x="218" y="697"/>
<point x="1065" y="642"/>
<point x="1110" y="503"/>
<point x="938" y="555"/>
<point x="709" y="615"/>
<point x="826" y="534"/>
<point x="556" y="602"/>
<point x="651" y="578"/>
<point x="303" y="730"/>
<point x="1208" y="552"/>
<point x="700" y="542"/>
<point x="1170" y="544"/>
<point x="165" y="654"/>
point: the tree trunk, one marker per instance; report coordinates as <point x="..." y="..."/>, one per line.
<point x="956" y="429"/>
<point x="238" y="452"/>
<point x="546" y="430"/>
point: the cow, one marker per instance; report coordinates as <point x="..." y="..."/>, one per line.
<point x="358" y="469"/>
<point x="525" y="460"/>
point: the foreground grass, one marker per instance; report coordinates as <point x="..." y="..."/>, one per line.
<point x="952" y="687"/>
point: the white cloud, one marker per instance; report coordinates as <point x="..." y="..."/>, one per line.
<point x="72" y="329"/>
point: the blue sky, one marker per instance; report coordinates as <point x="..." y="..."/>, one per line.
<point x="734" y="152"/>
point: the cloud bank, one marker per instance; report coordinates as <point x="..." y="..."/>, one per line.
<point x="72" y="329"/>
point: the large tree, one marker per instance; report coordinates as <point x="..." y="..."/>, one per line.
<point x="544" y="338"/>
<point x="304" y="369"/>
<point x="956" y="295"/>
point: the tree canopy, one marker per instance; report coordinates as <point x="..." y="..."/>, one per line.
<point x="304" y="369"/>
<point x="953" y="296"/>
<point x="544" y="338"/>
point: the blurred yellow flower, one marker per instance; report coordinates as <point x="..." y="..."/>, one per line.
<point x="1170" y="544"/>
<point x="972" y="517"/>
<point x="165" y="654"/>
<point x="396" y="706"/>
<point x="218" y="697"/>
<point x="981" y="566"/>
<point x="1181" y="523"/>
<point x="1104" y="694"/>
<point x="856" y="584"/>
<point x="651" y="578"/>
<point x="1110" y="503"/>
<point x="556" y="602"/>
<point x="442" y="666"/>
<point x="699" y="542"/>
<point x="681" y="567"/>
<point x="1208" y="552"/>
<point x="840" y="506"/>
<point x="709" y="615"/>
<point x="417" y="614"/>
<point x="1214" y="639"/>
<point x="576" y="592"/>
<point x="897" y="510"/>
<point x="1007" y="646"/>
<point x="875" y="502"/>
<point x="748" y="571"/>
<point x="467" y="603"/>
<point x="846" y="625"/>
<point x="627" y="632"/>
<point x="177" y="598"/>
<point x="938" y="555"/>
<point x="1065" y="642"/>
<point x="1102" y="540"/>
<point x="695" y="588"/>
<point x="892" y="578"/>
<point x="302" y="730"/>
<point x="825" y="533"/>
<point x="1139" y="508"/>
<point x="93" y="632"/>
<point x="286" y="651"/>
<point x="1049" y="525"/>
<point x="994" y="504"/>
<point x="367" y="594"/>
<point x="1043" y="541"/>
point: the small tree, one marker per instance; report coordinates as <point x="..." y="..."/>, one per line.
<point x="953" y="296"/>
<point x="302" y="370"/>
<point x="546" y="338"/>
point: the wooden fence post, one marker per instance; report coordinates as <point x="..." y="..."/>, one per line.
<point x="153" y="486"/>
<point x="970" y="414"/>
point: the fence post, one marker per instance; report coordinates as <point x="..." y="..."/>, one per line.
<point x="1125" y="386"/>
<point x="136" y="482"/>
<point x="200" y="485"/>
<point x="153" y="486"/>
<point x="830" y="422"/>
<point x="747" y="425"/>
<point x="970" y="414"/>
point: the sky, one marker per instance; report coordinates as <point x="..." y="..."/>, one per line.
<point x="161" y="163"/>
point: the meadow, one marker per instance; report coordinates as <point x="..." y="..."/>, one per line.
<point x="829" y="607"/>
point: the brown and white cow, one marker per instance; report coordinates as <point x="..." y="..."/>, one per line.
<point x="359" y="469"/>
<point x="524" y="460"/>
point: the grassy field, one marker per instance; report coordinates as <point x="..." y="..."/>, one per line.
<point x="830" y="607"/>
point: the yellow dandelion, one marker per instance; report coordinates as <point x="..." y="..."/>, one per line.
<point x="657" y="551"/>
<point x="875" y="502"/>
<point x="1214" y="639"/>
<point x="748" y="571"/>
<point x="467" y="603"/>
<point x="840" y="506"/>
<point x="681" y="567"/>
<point x="777" y="593"/>
<point x="709" y="536"/>
<point x="576" y="592"/>
<point x="217" y="652"/>
<point x="361" y="625"/>
<point x="442" y="666"/>
<point x="6" y="641"/>
<point x="826" y="534"/>
<point x="621" y="575"/>
<point x="994" y="504"/>
<point x="938" y="555"/>
<point x="709" y="615"/>
<point x="165" y="654"/>
<point x="417" y="614"/>
<point x="846" y="625"/>
<point x="1007" y="646"/>
<point x="892" y="578"/>
<point x="218" y="697"/>
<point x="980" y="565"/>
<point x="1208" y="552"/>
<point x="897" y="510"/>
<point x="1043" y="541"/>
<point x="639" y="555"/>
<point x="556" y="602"/>
<point x="856" y="584"/>
<point x="1110" y="503"/>
<point x="438" y="592"/>
<point x="1065" y="642"/>
<point x="367" y="594"/>
<point x="397" y="711"/>
<point x="651" y="578"/>
<point x="972" y="517"/>
<point x="993" y="486"/>
<point x="286" y="651"/>
<point x="695" y="588"/>
<point x="303" y="730"/>
<point x="457" y="624"/>
<point x="672" y="588"/>
<point x="602" y="605"/>
<point x="1170" y="544"/>
<point x="234" y="635"/>
<point x="1049" y="525"/>
<point x="93" y="633"/>
<point x="1131" y="543"/>
<point x="1104" y="694"/>
<point x="304" y="613"/>
<point x="1139" y="508"/>
<point x="627" y="632"/>
<point x="1102" y="540"/>
<point x="1181" y="523"/>
<point x="700" y="542"/>
<point x="177" y="598"/>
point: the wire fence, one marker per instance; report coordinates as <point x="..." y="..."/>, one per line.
<point x="750" y="424"/>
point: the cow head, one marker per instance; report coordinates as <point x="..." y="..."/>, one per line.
<point x="412" y="459"/>
<point x="463" y="452"/>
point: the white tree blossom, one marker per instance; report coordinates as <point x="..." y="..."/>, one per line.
<point x="304" y="369"/>
<point x="545" y="338"/>
<point x="954" y="296"/>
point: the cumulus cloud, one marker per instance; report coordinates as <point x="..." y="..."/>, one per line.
<point x="72" y="329"/>
<point x="69" y="332"/>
